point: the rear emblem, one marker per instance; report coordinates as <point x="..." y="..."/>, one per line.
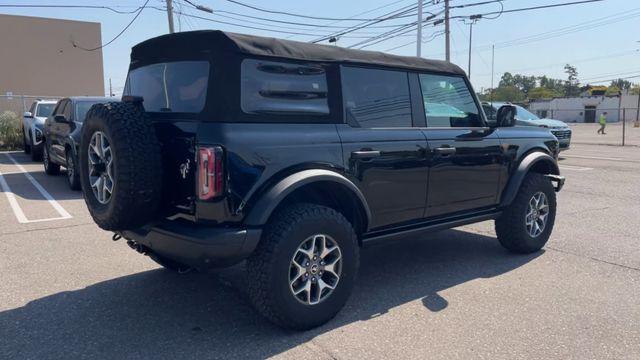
<point x="184" y="168"/>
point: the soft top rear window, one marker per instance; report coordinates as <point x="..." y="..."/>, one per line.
<point x="170" y="87"/>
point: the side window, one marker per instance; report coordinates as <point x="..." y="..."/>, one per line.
<point x="376" y="98"/>
<point x="60" y="107"/>
<point x="32" y="110"/>
<point x="448" y="102"/>
<point x="67" y="110"/>
<point x="489" y="111"/>
<point x="281" y="88"/>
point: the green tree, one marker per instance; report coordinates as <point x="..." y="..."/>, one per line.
<point x="621" y="84"/>
<point x="572" y="86"/>
<point x="612" y="90"/>
<point x="508" y="93"/>
<point x="543" y="93"/>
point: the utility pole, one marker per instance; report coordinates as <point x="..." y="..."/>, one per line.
<point x="493" y="51"/>
<point x="419" y="38"/>
<point x="111" y="94"/>
<point x="170" y="15"/>
<point x="473" y="19"/>
<point x="470" y="36"/>
<point x="446" y="31"/>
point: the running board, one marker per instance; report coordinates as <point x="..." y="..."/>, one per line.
<point x="425" y="228"/>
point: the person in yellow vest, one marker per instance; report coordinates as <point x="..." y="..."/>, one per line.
<point x="603" y="123"/>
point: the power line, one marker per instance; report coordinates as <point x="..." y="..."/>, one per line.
<point x="306" y="24"/>
<point x="395" y="14"/>
<point x="293" y="14"/>
<point x="431" y="38"/>
<point x="609" y="80"/>
<point x="256" y="27"/>
<point x="110" y="8"/>
<point x="117" y="36"/>
<point x="531" y="8"/>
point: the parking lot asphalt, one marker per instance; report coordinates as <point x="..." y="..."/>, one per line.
<point x="68" y="291"/>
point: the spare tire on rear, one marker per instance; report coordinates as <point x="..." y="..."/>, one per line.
<point x="120" y="166"/>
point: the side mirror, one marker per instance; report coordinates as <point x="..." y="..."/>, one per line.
<point x="28" y="115"/>
<point x="60" y="118"/>
<point x="506" y="116"/>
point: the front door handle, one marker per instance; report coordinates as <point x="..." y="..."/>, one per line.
<point x="365" y="154"/>
<point x="445" y="151"/>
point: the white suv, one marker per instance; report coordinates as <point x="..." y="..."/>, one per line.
<point x="32" y="125"/>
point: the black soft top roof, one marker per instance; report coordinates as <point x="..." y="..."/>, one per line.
<point x="209" y="43"/>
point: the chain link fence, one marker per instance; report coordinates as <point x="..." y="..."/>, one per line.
<point x="622" y="128"/>
<point x="12" y="108"/>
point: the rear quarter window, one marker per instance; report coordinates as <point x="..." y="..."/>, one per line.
<point x="170" y="87"/>
<point x="282" y="88"/>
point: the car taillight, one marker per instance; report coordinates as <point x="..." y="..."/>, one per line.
<point x="210" y="172"/>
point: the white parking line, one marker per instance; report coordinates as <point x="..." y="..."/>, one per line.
<point x="17" y="211"/>
<point x="576" y="168"/>
<point x="14" y="203"/>
<point x="597" y="158"/>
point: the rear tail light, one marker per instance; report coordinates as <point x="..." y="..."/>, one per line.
<point x="210" y="172"/>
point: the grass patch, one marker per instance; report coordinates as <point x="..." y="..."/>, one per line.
<point x="10" y="131"/>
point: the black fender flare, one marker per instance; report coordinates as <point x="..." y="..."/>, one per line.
<point x="262" y="210"/>
<point x="531" y="159"/>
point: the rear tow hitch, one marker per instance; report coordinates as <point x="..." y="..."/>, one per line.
<point x="138" y="247"/>
<point x="557" y="180"/>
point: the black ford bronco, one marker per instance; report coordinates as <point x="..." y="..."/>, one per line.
<point x="290" y="155"/>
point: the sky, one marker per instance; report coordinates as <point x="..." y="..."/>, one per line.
<point x="603" y="41"/>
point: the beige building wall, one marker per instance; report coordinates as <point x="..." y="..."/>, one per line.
<point x="37" y="57"/>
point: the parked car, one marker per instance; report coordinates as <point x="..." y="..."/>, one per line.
<point x="62" y="131"/>
<point x="294" y="155"/>
<point x="32" y="125"/>
<point x="524" y="117"/>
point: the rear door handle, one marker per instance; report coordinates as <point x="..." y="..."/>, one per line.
<point x="445" y="150"/>
<point x="365" y="154"/>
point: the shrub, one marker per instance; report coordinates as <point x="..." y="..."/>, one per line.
<point x="10" y="130"/>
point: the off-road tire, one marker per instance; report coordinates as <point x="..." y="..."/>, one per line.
<point x="137" y="167"/>
<point x="25" y="146"/>
<point x="169" y="264"/>
<point x="73" y="178"/>
<point x="49" y="167"/>
<point x="510" y="226"/>
<point x="268" y="266"/>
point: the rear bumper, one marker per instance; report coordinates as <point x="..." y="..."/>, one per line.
<point x="198" y="246"/>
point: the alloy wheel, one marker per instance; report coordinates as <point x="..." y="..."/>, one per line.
<point x="537" y="214"/>
<point x="315" y="269"/>
<point x="101" y="159"/>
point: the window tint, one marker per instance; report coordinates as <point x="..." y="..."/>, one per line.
<point x="489" y="111"/>
<point x="44" y="110"/>
<point x="448" y="102"/>
<point x="82" y="108"/>
<point x="170" y="87"/>
<point x="376" y="98"/>
<point x="67" y="110"/>
<point x="283" y="88"/>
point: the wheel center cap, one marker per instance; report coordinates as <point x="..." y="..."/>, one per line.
<point x="314" y="268"/>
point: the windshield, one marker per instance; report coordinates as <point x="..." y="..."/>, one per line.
<point x="82" y="107"/>
<point x="524" y="114"/>
<point x="170" y="87"/>
<point x="45" y="110"/>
